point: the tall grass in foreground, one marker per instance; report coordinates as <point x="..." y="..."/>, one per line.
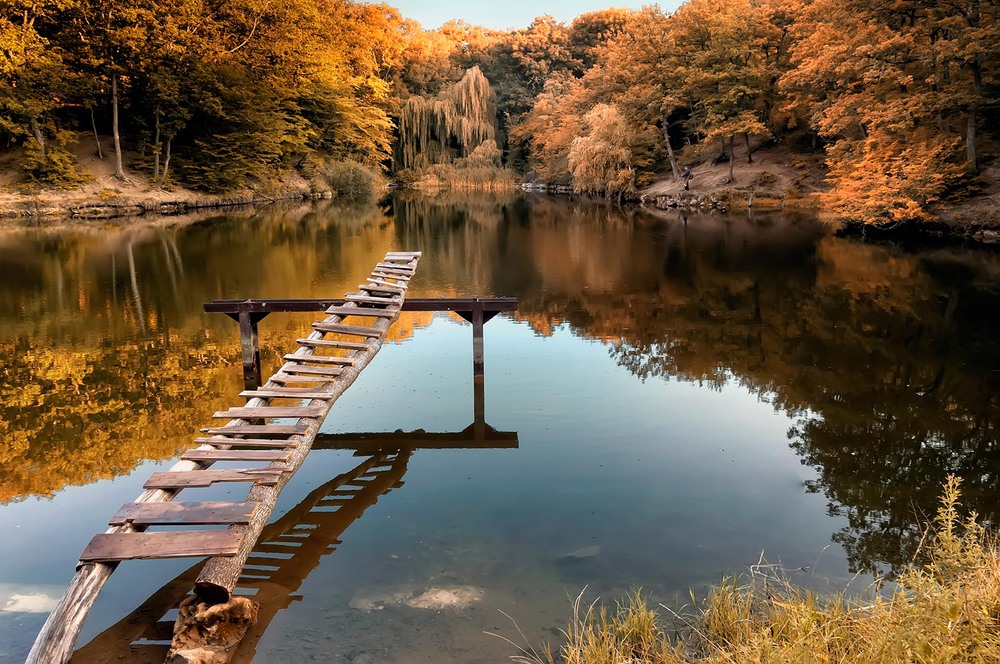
<point x="944" y="609"/>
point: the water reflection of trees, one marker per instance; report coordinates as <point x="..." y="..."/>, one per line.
<point x="106" y="359"/>
<point x="885" y="360"/>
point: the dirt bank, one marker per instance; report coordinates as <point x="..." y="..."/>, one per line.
<point x="104" y="196"/>
<point x="783" y="177"/>
<point x="777" y="177"/>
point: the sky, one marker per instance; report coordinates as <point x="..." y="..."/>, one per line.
<point x="504" y="13"/>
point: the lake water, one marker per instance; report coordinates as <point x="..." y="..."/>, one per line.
<point x="675" y="398"/>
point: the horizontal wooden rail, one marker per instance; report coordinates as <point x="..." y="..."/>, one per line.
<point x="249" y="312"/>
<point x="264" y="306"/>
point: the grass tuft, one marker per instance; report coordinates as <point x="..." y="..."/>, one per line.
<point x="944" y="609"/>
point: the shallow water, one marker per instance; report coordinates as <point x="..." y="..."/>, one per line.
<point x="674" y="399"/>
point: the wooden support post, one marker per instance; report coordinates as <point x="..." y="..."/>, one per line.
<point x="250" y="347"/>
<point x="478" y="368"/>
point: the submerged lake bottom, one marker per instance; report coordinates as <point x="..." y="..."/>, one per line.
<point x="676" y="399"/>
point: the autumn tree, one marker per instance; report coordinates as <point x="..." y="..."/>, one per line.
<point x="33" y="78"/>
<point x="897" y="90"/>
<point x="601" y="159"/>
<point x="449" y="126"/>
<point x="636" y="73"/>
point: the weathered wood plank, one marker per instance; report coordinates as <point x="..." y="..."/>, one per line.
<point x="114" y="547"/>
<point x="394" y="267"/>
<point x="328" y="372"/>
<point x="191" y="514"/>
<point x="301" y="380"/>
<point x="351" y="330"/>
<point x="258" y="412"/>
<point x="326" y="343"/>
<point x="320" y="359"/>
<point x="249" y="442"/>
<point x="252" y="429"/>
<point x="204" y="478"/>
<point x="284" y="393"/>
<point x="237" y="455"/>
<point x="373" y="300"/>
<point x="388" y="285"/>
<point x="361" y="311"/>
<point x="369" y="288"/>
<point x="383" y="274"/>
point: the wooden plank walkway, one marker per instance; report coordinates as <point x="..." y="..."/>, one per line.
<point x="127" y="538"/>
<point x="301" y="537"/>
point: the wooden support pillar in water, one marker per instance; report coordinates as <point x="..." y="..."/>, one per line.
<point x="249" y="345"/>
<point x="478" y="362"/>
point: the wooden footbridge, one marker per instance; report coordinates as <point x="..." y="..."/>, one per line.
<point x="263" y="430"/>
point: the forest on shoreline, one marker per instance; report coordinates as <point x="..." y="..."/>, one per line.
<point x="899" y="101"/>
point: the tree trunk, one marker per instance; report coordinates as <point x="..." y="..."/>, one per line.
<point x="97" y="139"/>
<point x="166" y="164"/>
<point x="970" y="132"/>
<point x="973" y="19"/>
<point x="732" y="156"/>
<point x="156" y="147"/>
<point x="749" y="151"/>
<point x="119" y="170"/>
<point x="670" y="150"/>
<point x="39" y="137"/>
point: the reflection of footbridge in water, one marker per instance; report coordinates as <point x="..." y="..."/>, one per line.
<point x="293" y="546"/>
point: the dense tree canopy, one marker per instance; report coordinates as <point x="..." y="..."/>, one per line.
<point x="902" y="96"/>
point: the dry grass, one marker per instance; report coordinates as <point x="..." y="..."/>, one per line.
<point x="945" y="609"/>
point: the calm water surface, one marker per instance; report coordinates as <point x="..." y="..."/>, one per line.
<point x="674" y="399"/>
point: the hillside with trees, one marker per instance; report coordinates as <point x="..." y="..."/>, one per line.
<point x="896" y="103"/>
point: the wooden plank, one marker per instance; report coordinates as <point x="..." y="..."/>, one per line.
<point x="405" y="256"/>
<point x="382" y="274"/>
<point x="284" y="393"/>
<point x="353" y="330"/>
<point x="361" y="311"/>
<point x="373" y="300"/>
<point x="381" y="289"/>
<point x="249" y="442"/>
<point x="113" y="547"/>
<point x="252" y="429"/>
<point x="237" y="455"/>
<point x="327" y="372"/>
<point x="321" y="359"/>
<point x="268" y="411"/>
<point x="394" y="267"/>
<point x="325" y="343"/>
<point x="296" y="380"/>
<point x="191" y="514"/>
<point x="204" y="478"/>
<point x="382" y="283"/>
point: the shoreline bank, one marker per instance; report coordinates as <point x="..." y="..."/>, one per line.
<point x="953" y="225"/>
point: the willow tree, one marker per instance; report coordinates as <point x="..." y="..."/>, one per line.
<point x="448" y="127"/>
